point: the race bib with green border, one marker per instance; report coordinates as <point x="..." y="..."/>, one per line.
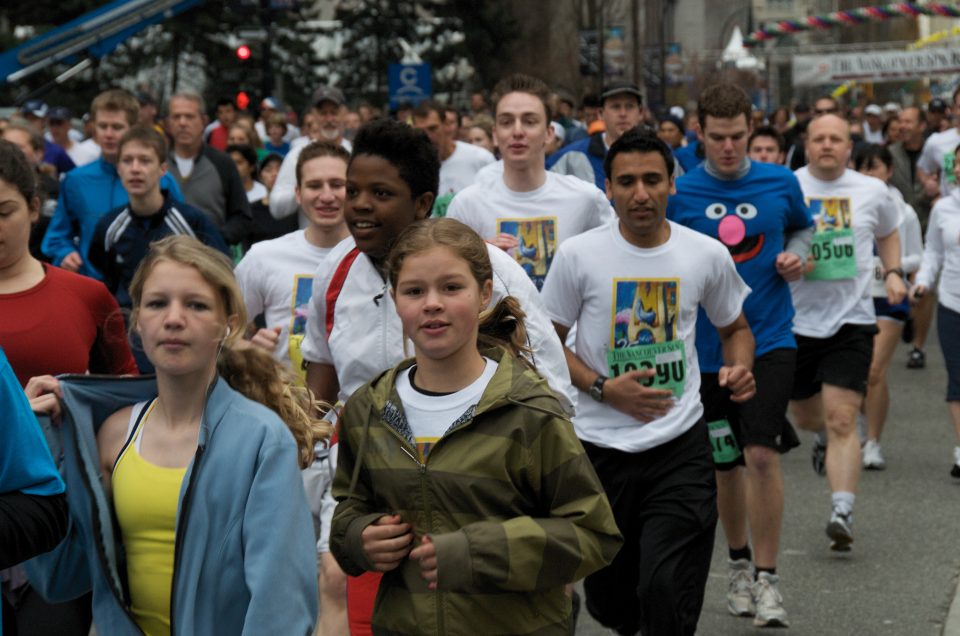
<point x="667" y="359"/>
<point x="834" y="256"/>
<point x="723" y="443"/>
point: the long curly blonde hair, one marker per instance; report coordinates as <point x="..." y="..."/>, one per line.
<point x="248" y="369"/>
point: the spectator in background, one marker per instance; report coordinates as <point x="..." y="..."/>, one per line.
<point x="479" y="106"/>
<point x="757" y="118"/>
<point x="891" y="131"/>
<point x="61" y="132"/>
<point x="481" y="134"/>
<point x="35" y="112"/>
<point x="351" y="124"/>
<point x="264" y="227"/>
<point x="906" y="152"/>
<point x="780" y="119"/>
<point x="89" y="192"/>
<point x="327" y="102"/>
<point x="242" y="134"/>
<point x="208" y="178"/>
<point x="766" y="145"/>
<point x="938" y="116"/>
<point x="276" y="131"/>
<point x="25" y="137"/>
<point x="559" y="134"/>
<point x="268" y="106"/>
<point x="459" y="161"/>
<point x="148" y="110"/>
<point x="451" y="119"/>
<point x="671" y="131"/>
<point x="873" y="124"/>
<point x="218" y="131"/>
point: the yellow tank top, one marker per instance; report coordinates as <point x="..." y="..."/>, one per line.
<point x="145" y="497"/>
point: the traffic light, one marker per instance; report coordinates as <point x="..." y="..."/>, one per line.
<point x="243" y="52"/>
<point x="242" y="100"/>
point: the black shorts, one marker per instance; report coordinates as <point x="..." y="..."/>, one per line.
<point x="761" y="421"/>
<point x="842" y="360"/>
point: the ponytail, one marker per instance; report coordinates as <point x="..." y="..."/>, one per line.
<point x="503" y="326"/>
<point x="254" y="373"/>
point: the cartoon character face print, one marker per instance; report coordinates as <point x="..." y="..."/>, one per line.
<point x="732" y="229"/>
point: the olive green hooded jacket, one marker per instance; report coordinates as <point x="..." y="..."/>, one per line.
<point x="507" y="495"/>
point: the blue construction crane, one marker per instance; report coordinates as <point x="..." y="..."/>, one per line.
<point x="90" y="37"/>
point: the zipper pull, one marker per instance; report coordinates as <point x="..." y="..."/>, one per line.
<point x="423" y="467"/>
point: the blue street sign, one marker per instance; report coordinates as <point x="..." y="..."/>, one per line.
<point x="411" y="83"/>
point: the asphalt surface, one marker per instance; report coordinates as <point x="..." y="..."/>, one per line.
<point x="900" y="579"/>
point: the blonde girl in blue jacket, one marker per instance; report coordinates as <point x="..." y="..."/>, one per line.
<point x="205" y="482"/>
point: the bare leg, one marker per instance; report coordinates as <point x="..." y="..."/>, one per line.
<point x="764" y="481"/>
<point x="732" y="506"/>
<point x="333" y="598"/>
<point x="877" y="401"/>
<point x="843" y="444"/>
<point x="922" y="318"/>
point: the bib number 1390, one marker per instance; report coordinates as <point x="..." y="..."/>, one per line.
<point x="667" y="360"/>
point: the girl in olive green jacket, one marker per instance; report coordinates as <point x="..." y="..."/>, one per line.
<point x="459" y="476"/>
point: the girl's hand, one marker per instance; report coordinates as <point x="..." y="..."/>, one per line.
<point x="916" y="293"/>
<point x="45" y="394"/>
<point x="426" y="553"/>
<point x="386" y="542"/>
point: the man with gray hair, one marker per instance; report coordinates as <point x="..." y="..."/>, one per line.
<point x="208" y="178"/>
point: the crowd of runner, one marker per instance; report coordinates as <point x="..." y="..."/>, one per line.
<point x="421" y="371"/>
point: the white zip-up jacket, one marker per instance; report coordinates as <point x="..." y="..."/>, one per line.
<point x="366" y="338"/>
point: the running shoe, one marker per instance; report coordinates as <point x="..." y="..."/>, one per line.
<point x="917" y="359"/>
<point x="739" y="589"/>
<point x="839" y="530"/>
<point x="768" y="602"/>
<point x="872" y="456"/>
<point x="818" y="455"/>
<point x="955" y="471"/>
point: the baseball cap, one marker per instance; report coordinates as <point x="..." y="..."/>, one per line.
<point x="34" y="107"/>
<point x="60" y="113"/>
<point x="268" y="102"/>
<point x="620" y="88"/>
<point x="676" y="121"/>
<point x="937" y="105"/>
<point x="892" y="107"/>
<point x="558" y="130"/>
<point x="328" y="94"/>
<point x="873" y="109"/>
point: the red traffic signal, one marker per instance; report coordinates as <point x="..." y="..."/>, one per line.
<point x="243" y="100"/>
<point x="243" y="52"/>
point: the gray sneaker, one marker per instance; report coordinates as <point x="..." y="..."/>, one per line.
<point x="739" y="596"/>
<point x="768" y="602"/>
<point x="873" y="456"/>
<point x="839" y="529"/>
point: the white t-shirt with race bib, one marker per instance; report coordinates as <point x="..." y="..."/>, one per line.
<point x="429" y="415"/>
<point x="460" y="169"/>
<point x="938" y="155"/>
<point x="541" y="219"/>
<point x="849" y="214"/>
<point x="637" y="308"/>
<point x="276" y="278"/>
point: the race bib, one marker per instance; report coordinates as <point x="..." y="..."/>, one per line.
<point x="667" y="359"/>
<point x="948" y="161"/>
<point x="723" y="443"/>
<point x="834" y="256"/>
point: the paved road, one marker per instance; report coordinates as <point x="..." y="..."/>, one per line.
<point x="901" y="576"/>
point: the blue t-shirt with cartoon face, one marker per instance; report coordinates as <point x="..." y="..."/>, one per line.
<point x="751" y="216"/>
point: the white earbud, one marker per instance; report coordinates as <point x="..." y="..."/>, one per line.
<point x="227" y="334"/>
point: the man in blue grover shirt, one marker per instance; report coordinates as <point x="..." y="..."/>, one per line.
<point x="757" y="210"/>
<point x="90" y="191"/>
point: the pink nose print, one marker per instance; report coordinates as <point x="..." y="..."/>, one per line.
<point x="732" y="230"/>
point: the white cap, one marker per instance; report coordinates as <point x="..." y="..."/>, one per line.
<point x="677" y="111"/>
<point x="892" y="107"/>
<point x="558" y="130"/>
<point x="873" y="109"/>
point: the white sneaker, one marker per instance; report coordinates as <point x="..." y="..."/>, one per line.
<point x="872" y="456"/>
<point x="739" y="595"/>
<point x="768" y="602"/>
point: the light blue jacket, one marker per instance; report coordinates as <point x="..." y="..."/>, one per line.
<point x="245" y="561"/>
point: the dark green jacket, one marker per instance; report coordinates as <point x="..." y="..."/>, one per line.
<point x="508" y="496"/>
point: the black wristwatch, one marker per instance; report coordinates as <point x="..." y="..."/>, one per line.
<point x="596" y="389"/>
<point x="895" y="270"/>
